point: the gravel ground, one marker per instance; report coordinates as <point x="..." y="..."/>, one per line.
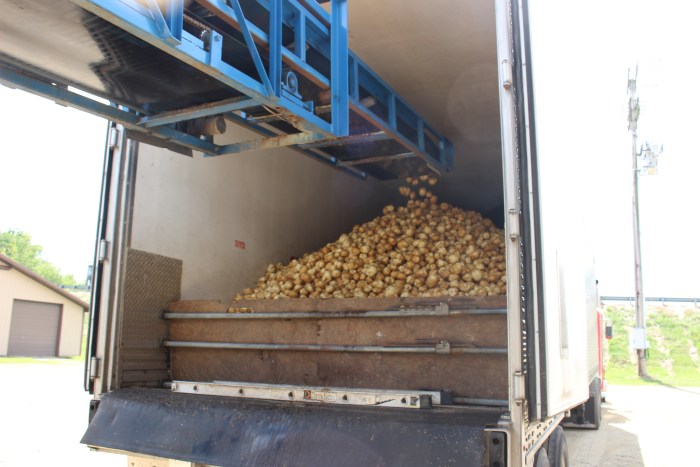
<point x="653" y="426"/>
<point x="44" y="414"/>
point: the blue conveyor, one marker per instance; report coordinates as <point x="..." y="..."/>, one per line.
<point x="168" y="67"/>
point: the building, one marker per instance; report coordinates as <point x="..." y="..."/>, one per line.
<point x="37" y="318"/>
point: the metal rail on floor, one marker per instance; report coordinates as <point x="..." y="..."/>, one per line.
<point x="244" y="314"/>
<point x="441" y="348"/>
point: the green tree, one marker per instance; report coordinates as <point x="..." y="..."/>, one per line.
<point x="18" y="246"/>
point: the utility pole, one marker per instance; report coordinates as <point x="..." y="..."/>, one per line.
<point x="639" y="338"/>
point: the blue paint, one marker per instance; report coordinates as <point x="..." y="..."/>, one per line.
<point x="340" y="107"/>
<point x="270" y="90"/>
<point x="327" y="67"/>
<point x="276" y="46"/>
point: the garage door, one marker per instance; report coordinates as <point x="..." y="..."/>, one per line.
<point x="34" y="329"/>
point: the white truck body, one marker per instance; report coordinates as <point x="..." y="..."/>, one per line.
<point x="475" y="69"/>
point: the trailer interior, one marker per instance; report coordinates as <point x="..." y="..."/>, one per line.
<point x="219" y="177"/>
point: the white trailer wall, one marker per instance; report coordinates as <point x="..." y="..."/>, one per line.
<point x="279" y="202"/>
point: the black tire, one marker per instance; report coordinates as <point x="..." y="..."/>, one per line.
<point x="595" y="403"/>
<point x="557" y="450"/>
<point x="541" y="459"/>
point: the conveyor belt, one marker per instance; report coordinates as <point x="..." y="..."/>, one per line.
<point x="278" y="67"/>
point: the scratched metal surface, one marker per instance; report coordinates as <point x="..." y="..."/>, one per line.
<point x="227" y="431"/>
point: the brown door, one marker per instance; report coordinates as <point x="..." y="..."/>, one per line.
<point x="34" y="329"/>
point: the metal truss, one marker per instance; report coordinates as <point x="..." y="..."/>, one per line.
<point x="292" y="79"/>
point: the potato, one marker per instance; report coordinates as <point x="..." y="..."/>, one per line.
<point x="422" y="249"/>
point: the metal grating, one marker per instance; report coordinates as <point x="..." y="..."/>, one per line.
<point x="153" y="281"/>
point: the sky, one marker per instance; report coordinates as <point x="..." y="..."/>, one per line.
<point x="50" y="176"/>
<point x="51" y="156"/>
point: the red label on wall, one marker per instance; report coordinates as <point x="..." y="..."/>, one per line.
<point x="239" y="244"/>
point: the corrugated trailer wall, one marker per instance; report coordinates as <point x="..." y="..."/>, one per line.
<point x="228" y="217"/>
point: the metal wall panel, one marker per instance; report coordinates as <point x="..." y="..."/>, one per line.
<point x="34" y="329"/>
<point x="151" y="283"/>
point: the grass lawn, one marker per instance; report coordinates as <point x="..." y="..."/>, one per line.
<point x="672" y="358"/>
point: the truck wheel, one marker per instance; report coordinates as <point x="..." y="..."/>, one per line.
<point x="595" y="403"/>
<point x="557" y="451"/>
<point x="541" y="459"/>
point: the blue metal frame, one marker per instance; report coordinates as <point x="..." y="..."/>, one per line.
<point x="276" y="46"/>
<point x="174" y="9"/>
<point x="130" y="120"/>
<point x="134" y="18"/>
<point x="306" y="149"/>
<point x="253" y="49"/>
<point x="204" y="110"/>
<point x="340" y="114"/>
<point x="357" y="75"/>
<point x="161" y="24"/>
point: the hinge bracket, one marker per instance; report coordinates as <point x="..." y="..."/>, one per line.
<point x="514" y="226"/>
<point x="518" y="387"/>
<point x="507" y="74"/>
<point x="94" y="368"/>
<point x="113" y="137"/>
<point x="102" y="250"/>
<point x="442" y="347"/>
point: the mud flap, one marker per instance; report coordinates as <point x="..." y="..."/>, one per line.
<point x="229" y="431"/>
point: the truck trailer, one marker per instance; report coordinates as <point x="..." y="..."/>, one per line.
<point x="244" y="133"/>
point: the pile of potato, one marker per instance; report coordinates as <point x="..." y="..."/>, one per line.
<point x="423" y="249"/>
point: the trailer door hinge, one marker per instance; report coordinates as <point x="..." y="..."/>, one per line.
<point x="94" y="367"/>
<point x="102" y="250"/>
<point x="507" y="74"/>
<point x="514" y="227"/>
<point x="518" y="387"/>
<point x="113" y="137"/>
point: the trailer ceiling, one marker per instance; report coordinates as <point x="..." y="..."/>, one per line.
<point x="441" y="57"/>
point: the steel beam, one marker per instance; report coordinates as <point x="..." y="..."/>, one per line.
<point x="253" y="49"/>
<point x="340" y="110"/>
<point x="370" y="314"/>
<point x="276" y="46"/>
<point x="300" y="35"/>
<point x="174" y="11"/>
<point x="309" y="152"/>
<point x="162" y="24"/>
<point x="371" y="117"/>
<point x="373" y="159"/>
<point x="269" y="143"/>
<point x="416" y="349"/>
<point x="133" y="18"/>
<point x="350" y="139"/>
<point x="130" y="120"/>
<point x="204" y="110"/>
<point x="225" y="13"/>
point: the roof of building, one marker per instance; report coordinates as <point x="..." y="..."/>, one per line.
<point x="8" y="263"/>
